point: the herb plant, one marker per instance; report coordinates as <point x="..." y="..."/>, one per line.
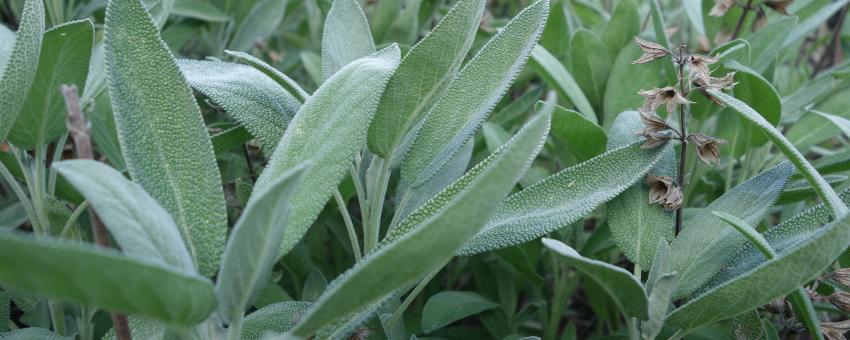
<point x="456" y="169"/>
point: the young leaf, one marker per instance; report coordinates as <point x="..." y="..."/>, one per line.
<point x="626" y="291"/>
<point x="19" y="70"/>
<point x="423" y="75"/>
<point x="420" y="244"/>
<point x="263" y="19"/>
<point x="64" y="59"/>
<point x="254" y="100"/>
<point x="327" y="131"/>
<point x="290" y="85"/>
<point x="253" y="246"/>
<point x="563" y="198"/>
<point x="103" y="278"/>
<point x="556" y="75"/>
<point x="346" y="37"/>
<point x="582" y="137"/>
<point x="276" y="318"/>
<point x="472" y="95"/>
<point x="142" y="228"/>
<point x="446" y="307"/>
<point x="162" y="134"/>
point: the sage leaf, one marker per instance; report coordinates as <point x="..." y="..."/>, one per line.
<point x="262" y="20"/>
<point x="811" y="23"/>
<point x="767" y="40"/>
<point x="423" y="75"/>
<point x="290" y="85"/>
<point x="759" y="94"/>
<point x="346" y="37"/>
<point x="33" y="333"/>
<point x="253" y="99"/>
<point x="624" y="288"/>
<point x="198" y="9"/>
<point x="163" y="138"/>
<point x="142" y="228"/>
<point x="658" y="304"/>
<point x="582" y="137"/>
<point x="104" y="278"/>
<point x="556" y="75"/>
<point x="276" y="318"/>
<point x="419" y="245"/>
<point x="446" y="307"/>
<point x="623" y="25"/>
<point x="253" y="246"/>
<point x="20" y="68"/>
<point x="626" y="79"/>
<point x="64" y="59"/>
<point x="327" y="131"/>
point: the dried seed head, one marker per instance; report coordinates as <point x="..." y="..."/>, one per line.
<point x="652" y="122"/>
<point x="842" y="276"/>
<point x="654" y="98"/>
<point x="674" y="199"/>
<point x="841" y="300"/>
<point x="662" y="191"/>
<point x="651" y="51"/>
<point x="656" y="139"/>
<point x="707" y="148"/>
<point x="699" y="65"/>
<point x="835" y="330"/>
<point x="721" y="7"/>
<point x="780" y="6"/>
<point x="726" y="82"/>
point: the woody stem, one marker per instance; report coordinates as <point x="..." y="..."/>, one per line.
<point x="683" y="126"/>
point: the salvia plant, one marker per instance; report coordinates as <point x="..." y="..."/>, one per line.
<point x="411" y="169"/>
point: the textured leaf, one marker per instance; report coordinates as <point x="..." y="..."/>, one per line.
<point x="767" y="40"/>
<point x="276" y="318"/>
<point x="563" y="198"/>
<point x="811" y="23"/>
<point x="757" y="92"/>
<point x="800" y="190"/>
<point x="103" y="278"/>
<point x="290" y="85"/>
<point x="472" y="95"/>
<point x="253" y="246"/>
<point x="556" y="75"/>
<point x="163" y="137"/>
<point x="770" y="280"/>
<point x="327" y="131"/>
<point x="64" y="59"/>
<point x="198" y="9"/>
<point x="253" y="99"/>
<point x="658" y="304"/>
<point x="660" y="29"/>
<point x="446" y="307"/>
<point x="346" y="37"/>
<point x="705" y="242"/>
<point x="263" y="19"/>
<point x="423" y="75"/>
<point x="583" y="138"/>
<point x="636" y="226"/>
<point x="33" y="333"/>
<point x="420" y="244"/>
<point x="142" y="228"/>
<point x="626" y="291"/>
<point x="623" y="25"/>
<point x="19" y="70"/>
<point x="626" y="79"/>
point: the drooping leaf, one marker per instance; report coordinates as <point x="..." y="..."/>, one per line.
<point x="253" y="99"/>
<point x="276" y="318"/>
<point x="420" y="244"/>
<point x="327" y="131"/>
<point x="64" y="59"/>
<point x="20" y="68"/>
<point x="263" y="19"/>
<point x="103" y="278"/>
<point x="253" y="246"/>
<point x="423" y="75"/>
<point x="563" y="198"/>
<point x="449" y="306"/>
<point x="556" y="75"/>
<point x="142" y="228"/>
<point x="583" y="138"/>
<point x="472" y="95"/>
<point x="346" y="37"/>
<point x="162" y="134"/>
<point x="621" y="286"/>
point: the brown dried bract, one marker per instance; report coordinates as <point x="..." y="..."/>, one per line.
<point x="651" y="51"/>
<point x="721" y="7"/>
<point x="842" y="276"/>
<point x="835" y="330"/>
<point x="707" y="148"/>
<point x="699" y="65"/>
<point x="654" y="98"/>
<point x="656" y="139"/>
<point x="662" y="191"/>
<point x="780" y="6"/>
<point x="652" y="121"/>
<point x="726" y="82"/>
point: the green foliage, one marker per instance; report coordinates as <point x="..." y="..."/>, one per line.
<point x="20" y="67"/>
<point x="446" y="307"/>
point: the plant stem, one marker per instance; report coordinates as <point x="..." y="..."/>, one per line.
<point x="349" y="226"/>
<point x="234" y="331"/>
<point x="58" y="316"/>
<point x="73" y="218"/>
<point x="376" y="187"/>
<point x="683" y="139"/>
<point x="413" y="294"/>
<point x="741" y="19"/>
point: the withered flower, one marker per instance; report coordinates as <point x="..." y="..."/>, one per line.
<point x="651" y="51"/>
<point x="835" y="330"/>
<point x="841" y="300"/>
<point x="662" y="191"/>
<point x="674" y="199"/>
<point x="654" y="98"/>
<point x="726" y="82"/>
<point x="652" y="121"/>
<point x="699" y="65"/>
<point x="656" y="139"/>
<point x="721" y="7"/>
<point x="707" y="148"/>
<point x="780" y="6"/>
<point x="842" y="276"/>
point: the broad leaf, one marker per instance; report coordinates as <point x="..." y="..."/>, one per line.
<point x="276" y="318"/>
<point x="19" y="70"/>
<point x="420" y="244"/>
<point x="563" y="198"/>
<point x="758" y="93"/>
<point x="290" y="85"/>
<point x="590" y="64"/>
<point x="162" y="134"/>
<point x="198" y="9"/>
<point x="583" y="138"/>
<point x="103" y="278"/>
<point x="626" y="79"/>
<point x="811" y="23"/>
<point x="623" y="25"/>
<point x="624" y="288"/>
<point x="263" y="19"/>
<point x="64" y="59"/>
<point x="423" y="75"/>
<point x="556" y="75"/>
<point x="446" y="307"/>
<point x="767" y="40"/>
<point x="346" y="37"/>
<point x="142" y="228"/>
<point x="327" y="131"/>
<point x="33" y="333"/>
<point x="253" y="99"/>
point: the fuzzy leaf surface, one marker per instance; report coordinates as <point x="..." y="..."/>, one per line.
<point x="19" y="69"/>
<point x="346" y="37"/>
